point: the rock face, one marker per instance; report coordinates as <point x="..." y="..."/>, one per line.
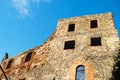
<point x="88" y="41"/>
<point x="5" y="57"/>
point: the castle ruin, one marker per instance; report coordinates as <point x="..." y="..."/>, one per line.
<point x="81" y="48"/>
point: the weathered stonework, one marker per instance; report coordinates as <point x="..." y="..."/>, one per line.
<point x="51" y="61"/>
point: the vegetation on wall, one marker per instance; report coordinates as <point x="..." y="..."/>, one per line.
<point x="116" y="68"/>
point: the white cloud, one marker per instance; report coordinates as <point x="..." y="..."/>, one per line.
<point x="23" y="7"/>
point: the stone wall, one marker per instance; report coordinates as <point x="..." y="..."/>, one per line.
<point x="51" y="61"/>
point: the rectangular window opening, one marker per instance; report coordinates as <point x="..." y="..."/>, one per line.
<point x="9" y="64"/>
<point x="119" y="51"/>
<point x="28" y="57"/>
<point x="93" y="24"/>
<point x="71" y="27"/>
<point x="69" y="44"/>
<point x="96" y="41"/>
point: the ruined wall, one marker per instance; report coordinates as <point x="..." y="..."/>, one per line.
<point x="51" y="61"/>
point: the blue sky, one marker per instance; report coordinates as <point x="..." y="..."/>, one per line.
<point x="25" y="24"/>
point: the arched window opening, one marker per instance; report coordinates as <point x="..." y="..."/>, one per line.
<point x="80" y="73"/>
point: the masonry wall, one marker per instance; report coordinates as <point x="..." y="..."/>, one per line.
<point x="51" y="61"/>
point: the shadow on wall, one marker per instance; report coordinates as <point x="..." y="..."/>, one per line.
<point x="116" y="68"/>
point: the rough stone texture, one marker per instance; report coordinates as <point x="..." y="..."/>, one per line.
<point x="51" y="62"/>
<point x="5" y="57"/>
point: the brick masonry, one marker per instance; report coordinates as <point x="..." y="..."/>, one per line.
<point x="51" y="61"/>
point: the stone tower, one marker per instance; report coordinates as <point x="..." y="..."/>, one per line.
<point x="81" y="48"/>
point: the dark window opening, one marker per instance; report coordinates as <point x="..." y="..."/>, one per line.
<point x="9" y="64"/>
<point x="96" y="41"/>
<point x="69" y="44"/>
<point x="28" y="57"/>
<point x="93" y="24"/>
<point x="119" y="51"/>
<point x="71" y="27"/>
<point x="21" y="79"/>
<point x="80" y="73"/>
